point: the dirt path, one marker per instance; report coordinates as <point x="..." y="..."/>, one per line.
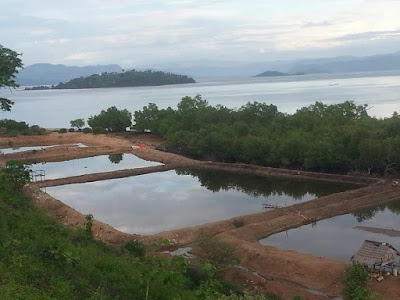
<point x="287" y="273"/>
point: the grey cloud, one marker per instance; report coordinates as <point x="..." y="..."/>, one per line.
<point x="316" y="24"/>
<point x="367" y="35"/>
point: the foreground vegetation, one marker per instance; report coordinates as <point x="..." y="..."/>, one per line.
<point x="337" y="138"/>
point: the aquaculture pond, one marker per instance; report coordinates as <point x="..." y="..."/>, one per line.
<point x="21" y="149"/>
<point x="156" y="202"/>
<point x="340" y="237"/>
<point x="96" y="164"/>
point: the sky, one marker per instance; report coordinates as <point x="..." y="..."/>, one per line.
<point x="144" y="33"/>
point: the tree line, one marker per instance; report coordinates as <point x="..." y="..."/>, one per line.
<point x="338" y="138"/>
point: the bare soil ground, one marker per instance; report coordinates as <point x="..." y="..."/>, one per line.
<point x="284" y="272"/>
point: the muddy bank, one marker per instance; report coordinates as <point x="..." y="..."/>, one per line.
<point x="61" y="153"/>
<point x="291" y="174"/>
<point x="104" y="176"/>
<point x="388" y="232"/>
<point x="66" y="138"/>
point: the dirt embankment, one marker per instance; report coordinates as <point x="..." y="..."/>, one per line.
<point x="105" y="175"/>
<point x="388" y="232"/>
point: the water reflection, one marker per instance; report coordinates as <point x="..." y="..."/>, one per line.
<point x="336" y="237"/>
<point x="21" y="149"/>
<point x="257" y="186"/>
<point x="116" y="158"/>
<point x="102" y="163"/>
<point x="152" y="203"/>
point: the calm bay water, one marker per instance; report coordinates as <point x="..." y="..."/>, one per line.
<point x="336" y="237"/>
<point x="55" y="108"/>
<point x="157" y="202"/>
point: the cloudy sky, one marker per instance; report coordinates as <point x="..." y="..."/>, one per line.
<point x="142" y="33"/>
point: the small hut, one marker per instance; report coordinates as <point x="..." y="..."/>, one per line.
<point x="377" y="256"/>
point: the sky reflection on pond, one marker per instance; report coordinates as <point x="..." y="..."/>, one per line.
<point x="21" y="149"/>
<point x="152" y="203"/>
<point x="96" y="164"/>
<point x="336" y="237"/>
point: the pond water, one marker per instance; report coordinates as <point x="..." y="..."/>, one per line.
<point x="96" y="164"/>
<point x="156" y="202"/>
<point x="21" y="149"/>
<point x="336" y="237"/>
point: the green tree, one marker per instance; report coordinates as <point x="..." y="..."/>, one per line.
<point x="17" y="174"/>
<point x="78" y="123"/>
<point x="9" y="65"/>
<point x="112" y="119"/>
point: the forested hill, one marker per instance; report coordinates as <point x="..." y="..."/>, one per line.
<point x="126" y="79"/>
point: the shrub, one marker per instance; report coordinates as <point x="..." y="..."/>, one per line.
<point x="14" y="128"/>
<point x="355" y="285"/>
<point x="71" y="130"/>
<point x="89" y="226"/>
<point x="12" y="133"/>
<point x="135" y="248"/>
<point x="63" y="130"/>
<point x="99" y="130"/>
<point x="221" y="255"/>
<point x="16" y="174"/>
<point x="87" y="130"/>
<point x="113" y="119"/>
<point x="238" y="223"/>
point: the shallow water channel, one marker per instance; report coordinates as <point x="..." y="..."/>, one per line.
<point x="156" y="202"/>
<point x="96" y="164"/>
<point x="21" y="149"/>
<point x="337" y="237"/>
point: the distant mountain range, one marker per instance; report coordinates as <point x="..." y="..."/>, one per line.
<point x="340" y="64"/>
<point x="275" y="74"/>
<point x="48" y="74"/>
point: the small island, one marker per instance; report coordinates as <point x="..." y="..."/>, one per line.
<point x="276" y="74"/>
<point x="126" y="79"/>
<point x="40" y="87"/>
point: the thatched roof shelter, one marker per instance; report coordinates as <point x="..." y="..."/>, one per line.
<point x="376" y="253"/>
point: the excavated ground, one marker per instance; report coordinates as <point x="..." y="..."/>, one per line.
<point x="287" y="273"/>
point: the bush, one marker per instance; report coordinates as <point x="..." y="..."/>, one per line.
<point x="113" y="119"/>
<point x="238" y="223"/>
<point x="17" y="174"/>
<point x="12" y="133"/>
<point x="99" y="130"/>
<point x="355" y="285"/>
<point x="63" y="130"/>
<point x="71" y="130"/>
<point x="87" y="130"/>
<point x="14" y="128"/>
<point x="135" y="249"/>
<point x="219" y="254"/>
